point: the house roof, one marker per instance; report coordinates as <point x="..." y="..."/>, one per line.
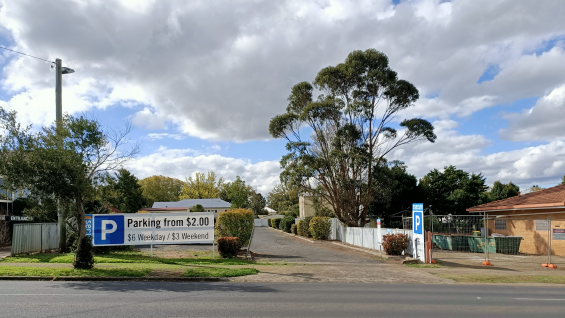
<point x="114" y="210"/>
<point x="165" y="209"/>
<point x="547" y="198"/>
<point x="187" y="203"/>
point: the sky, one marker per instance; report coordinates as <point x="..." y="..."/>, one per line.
<point x="200" y="80"/>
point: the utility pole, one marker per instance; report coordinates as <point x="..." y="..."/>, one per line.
<point x="59" y="119"/>
<point x="59" y="71"/>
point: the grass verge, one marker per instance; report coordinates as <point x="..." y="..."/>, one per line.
<point x="548" y="279"/>
<point x="424" y="265"/>
<point x="123" y="258"/>
<point x="56" y="272"/>
<point x="219" y="272"/>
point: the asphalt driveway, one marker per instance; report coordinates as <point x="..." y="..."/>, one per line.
<point x="273" y="245"/>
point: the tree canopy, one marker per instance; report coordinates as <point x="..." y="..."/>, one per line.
<point x="349" y="130"/>
<point x="160" y="189"/>
<point x="237" y="193"/>
<point x="257" y="204"/>
<point x="203" y="186"/>
<point x="500" y="191"/>
<point x="284" y="197"/>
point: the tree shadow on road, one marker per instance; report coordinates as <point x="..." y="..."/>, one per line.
<point x="180" y="287"/>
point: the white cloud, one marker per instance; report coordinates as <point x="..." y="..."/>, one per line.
<point x="542" y="122"/>
<point x="182" y="163"/>
<point x="221" y="72"/>
<point x="165" y="135"/>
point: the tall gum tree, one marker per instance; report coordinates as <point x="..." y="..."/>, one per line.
<point x="348" y="130"/>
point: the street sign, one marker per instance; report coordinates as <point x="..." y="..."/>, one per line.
<point x="150" y="228"/>
<point x="418" y="250"/>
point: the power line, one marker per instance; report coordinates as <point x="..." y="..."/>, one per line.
<point x="35" y="57"/>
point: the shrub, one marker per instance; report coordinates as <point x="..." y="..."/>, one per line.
<point x="299" y="227"/>
<point x="84" y="258"/>
<point x="293" y="229"/>
<point x="320" y="227"/>
<point x="305" y="228"/>
<point x="276" y="223"/>
<point x="228" y="246"/>
<point x="287" y="222"/>
<point x="236" y="223"/>
<point x="271" y="223"/>
<point x="394" y="244"/>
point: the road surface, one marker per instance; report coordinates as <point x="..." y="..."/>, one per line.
<point x="131" y="299"/>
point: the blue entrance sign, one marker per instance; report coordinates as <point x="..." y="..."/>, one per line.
<point x="109" y="230"/>
<point x="418" y="218"/>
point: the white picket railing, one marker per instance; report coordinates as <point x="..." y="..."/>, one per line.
<point x="34" y="237"/>
<point x="363" y="236"/>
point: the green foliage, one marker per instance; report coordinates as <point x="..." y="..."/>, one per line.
<point x="320" y="227"/>
<point x="500" y="191"/>
<point x="57" y="272"/>
<point x="453" y="191"/>
<point x="276" y="223"/>
<point x="293" y="229"/>
<point x="287" y="222"/>
<point x="84" y="257"/>
<point x="160" y="189"/>
<point x="237" y="193"/>
<point x="257" y="204"/>
<point x="203" y="186"/>
<point x="349" y="130"/>
<point x="299" y="228"/>
<point x="197" y="208"/>
<point x="283" y="198"/>
<point x="535" y="188"/>
<point x="305" y="227"/>
<point x="228" y="246"/>
<point x="394" y="244"/>
<point x="236" y="223"/>
<point x="130" y="194"/>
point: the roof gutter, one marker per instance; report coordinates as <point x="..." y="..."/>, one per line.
<point x="515" y="209"/>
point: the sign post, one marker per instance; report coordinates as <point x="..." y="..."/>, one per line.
<point x="418" y="250"/>
<point x="379" y="235"/>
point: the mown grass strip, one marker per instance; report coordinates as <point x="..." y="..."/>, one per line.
<point x="219" y="272"/>
<point x="424" y="265"/>
<point x="56" y="272"/>
<point x="124" y="258"/>
<point x="508" y="279"/>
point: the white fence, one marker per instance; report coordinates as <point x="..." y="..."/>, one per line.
<point x="363" y="236"/>
<point x="261" y="222"/>
<point x="34" y="237"/>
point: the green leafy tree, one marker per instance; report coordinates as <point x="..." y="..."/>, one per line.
<point x="61" y="162"/>
<point x="257" y="204"/>
<point x="348" y="130"/>
<point x="535" y="188"/>
<point x="500" y="191"/>
<point x="284" y="197"/>
<point x="203" y="186"/>
<point x="453" y="190"/>
<point x="161" y="189"/>
<point x="237" y="193"/>
<point x="197" y="208"/>
<point x="563" y="180"/>
<point x="130" y="198"/>
<point x="394" y="191"/>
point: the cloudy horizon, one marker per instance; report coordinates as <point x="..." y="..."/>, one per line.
<point x="200" y="80"/>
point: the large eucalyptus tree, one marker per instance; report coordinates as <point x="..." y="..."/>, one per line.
<point x="347" y="128"/>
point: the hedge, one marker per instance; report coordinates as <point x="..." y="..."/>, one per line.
<point x="286" y="223"/>
<point x="293" y="229"/>
<point x="299" y="227"/>
<point x="236" y="223"/>
<point x="320" y="227"/>
<point x="228" y="246"/>
<point x="276" y="223"/>
<point x="305" y="228"/>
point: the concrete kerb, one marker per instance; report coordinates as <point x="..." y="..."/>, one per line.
<point x="117" y="279"/>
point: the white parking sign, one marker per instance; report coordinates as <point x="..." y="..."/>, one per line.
<point x="418" y="228"/>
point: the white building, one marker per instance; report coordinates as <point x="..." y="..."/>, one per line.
<point x="210" y="205"/>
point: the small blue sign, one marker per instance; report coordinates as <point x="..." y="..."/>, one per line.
<point x="88" y="224"/>
<point x="418" y="218"/>
<point x="109" y="230"/>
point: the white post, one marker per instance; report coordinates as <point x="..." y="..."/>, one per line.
<point x="151" y="250"/>
<point x="214" y="249"/>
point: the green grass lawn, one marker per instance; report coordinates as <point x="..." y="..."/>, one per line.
<point x="553" y="279"/>
<point x="219" y="272"/>
<point x="124" y="258"/>
<point x="56" y="272"/>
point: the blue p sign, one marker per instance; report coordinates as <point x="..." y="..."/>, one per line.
<point x="418" y="218"/>
<point x="108" y="229"/>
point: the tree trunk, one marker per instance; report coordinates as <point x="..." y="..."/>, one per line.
<point x="80" y="217"/>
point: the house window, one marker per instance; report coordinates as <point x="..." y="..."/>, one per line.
<point x="542" y="225"/>
<point x="500" y="224"/>
<point x="215" y="211"/>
